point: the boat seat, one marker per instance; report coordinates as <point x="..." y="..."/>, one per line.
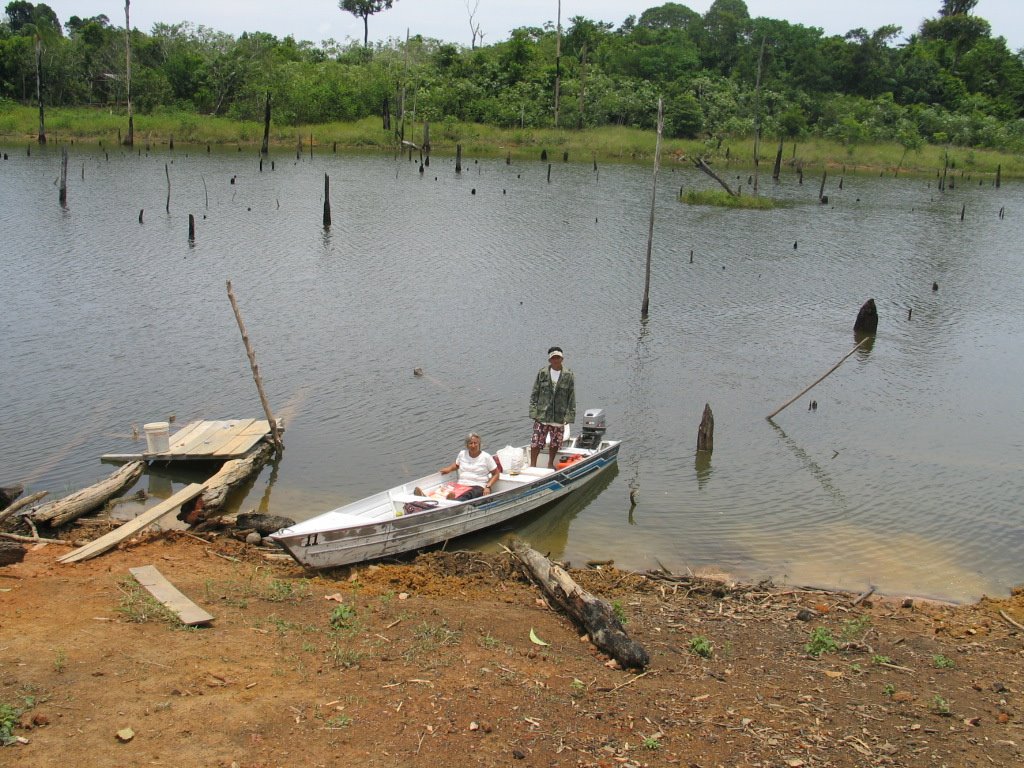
<point x="516" y="479"/>
<point x="536" y="471"/>
<point x="405" y="498"/>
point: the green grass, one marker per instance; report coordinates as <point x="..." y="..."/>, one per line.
<point x="140" y="607"/>
<point x="821" y="642"/>
<point x="618" y="144"/>
<point x="701" y="646"/>
<point x="722" y="199"/>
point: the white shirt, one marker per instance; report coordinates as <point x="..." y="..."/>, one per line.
<point x="475" y="471"/>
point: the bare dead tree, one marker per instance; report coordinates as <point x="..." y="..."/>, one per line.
<point x="474" y="28"/>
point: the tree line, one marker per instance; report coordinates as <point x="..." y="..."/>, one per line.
<point x="720" y="74"/>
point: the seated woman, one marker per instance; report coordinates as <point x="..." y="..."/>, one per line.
<point x="478" y="472"/>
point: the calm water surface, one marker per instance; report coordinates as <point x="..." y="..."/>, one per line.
<point x="906" y="477"/>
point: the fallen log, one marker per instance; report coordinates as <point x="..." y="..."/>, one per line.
<point x="702" y="165"/>
<point x="57" y="513"/>
<point x="25" y="501"/>
<point x="592" y="614"/>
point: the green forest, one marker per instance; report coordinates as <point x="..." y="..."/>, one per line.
<point x="721" y="74"/>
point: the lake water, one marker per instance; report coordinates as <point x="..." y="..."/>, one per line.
<point x="906" y="477"/>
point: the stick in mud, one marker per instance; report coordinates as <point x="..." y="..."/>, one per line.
<point x="276" y="434"/>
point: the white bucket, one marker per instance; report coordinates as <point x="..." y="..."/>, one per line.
<point x="157" y="437"/>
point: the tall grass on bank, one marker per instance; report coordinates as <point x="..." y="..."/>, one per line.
<point x="606" y="144"/>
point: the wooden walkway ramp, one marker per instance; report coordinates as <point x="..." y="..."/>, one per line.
<point x="206" y="441"/>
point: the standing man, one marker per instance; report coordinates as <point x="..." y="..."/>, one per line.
<point x="552" y="406"/>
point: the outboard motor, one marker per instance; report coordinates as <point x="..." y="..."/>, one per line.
<point x="593" y="428"/>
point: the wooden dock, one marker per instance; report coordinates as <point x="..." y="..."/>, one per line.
<point x="205" y="441"/>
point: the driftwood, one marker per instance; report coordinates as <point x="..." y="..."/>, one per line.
<point x="699" y="162"/>
<point x="594" y="615"/>
<point x="62" y="511"/>
<point x="11" y="552"/>
<point x="26" y="501"/>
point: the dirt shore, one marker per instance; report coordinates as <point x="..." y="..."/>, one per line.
<point x="431" y="662"/>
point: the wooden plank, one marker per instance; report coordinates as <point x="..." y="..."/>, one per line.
<point x="159" y="587"/>
<point x="243" y="442"/>
<point x="193" y="444"/>
<point x="183" y="433"/>
<point x="215" y="443"/>
<point x="112" y="539"/>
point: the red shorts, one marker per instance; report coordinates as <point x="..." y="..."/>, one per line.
<point x="543" y="431"/>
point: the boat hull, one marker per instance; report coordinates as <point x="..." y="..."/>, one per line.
<point x="374" y="527"/>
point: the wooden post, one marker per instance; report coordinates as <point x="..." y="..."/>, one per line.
<point x="327" y="201"/>
<point x="63" y="195"/>
<point x="275" y="433"/>
<point x="778" y="162"/>
<point x="265" y="148"/>
<point x="963" y="210"/>
<point x="191" y="228"/>
<point x="999" y="175"/>
<point x="549" y="173"/>
<point x="808" y="389"/>
<point x="706" y="430"/>
<point x="458" y="158"/>
<point x="167" y="173"/>
<point x="821" y="190"/>
<point x="426" y="138"/>
<point x="650" y="225"/>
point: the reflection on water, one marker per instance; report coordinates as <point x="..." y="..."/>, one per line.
<point x="109" y="322"/>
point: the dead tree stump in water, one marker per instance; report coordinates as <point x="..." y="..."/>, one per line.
<point x="63" y="177"/>
<point x="191" y="228"/>
<point x="778" y="162"/>
<point x="327" y="201"/>
<point x="867" y="318"/>
<point x="706" y="431"/>
<point x="458" y="158"/>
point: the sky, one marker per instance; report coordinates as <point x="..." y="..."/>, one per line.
<point x="448" y="20"/>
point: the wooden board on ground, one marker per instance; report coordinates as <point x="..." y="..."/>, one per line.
<point x="159" y="587"/>
<point x="112" y="539"/>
